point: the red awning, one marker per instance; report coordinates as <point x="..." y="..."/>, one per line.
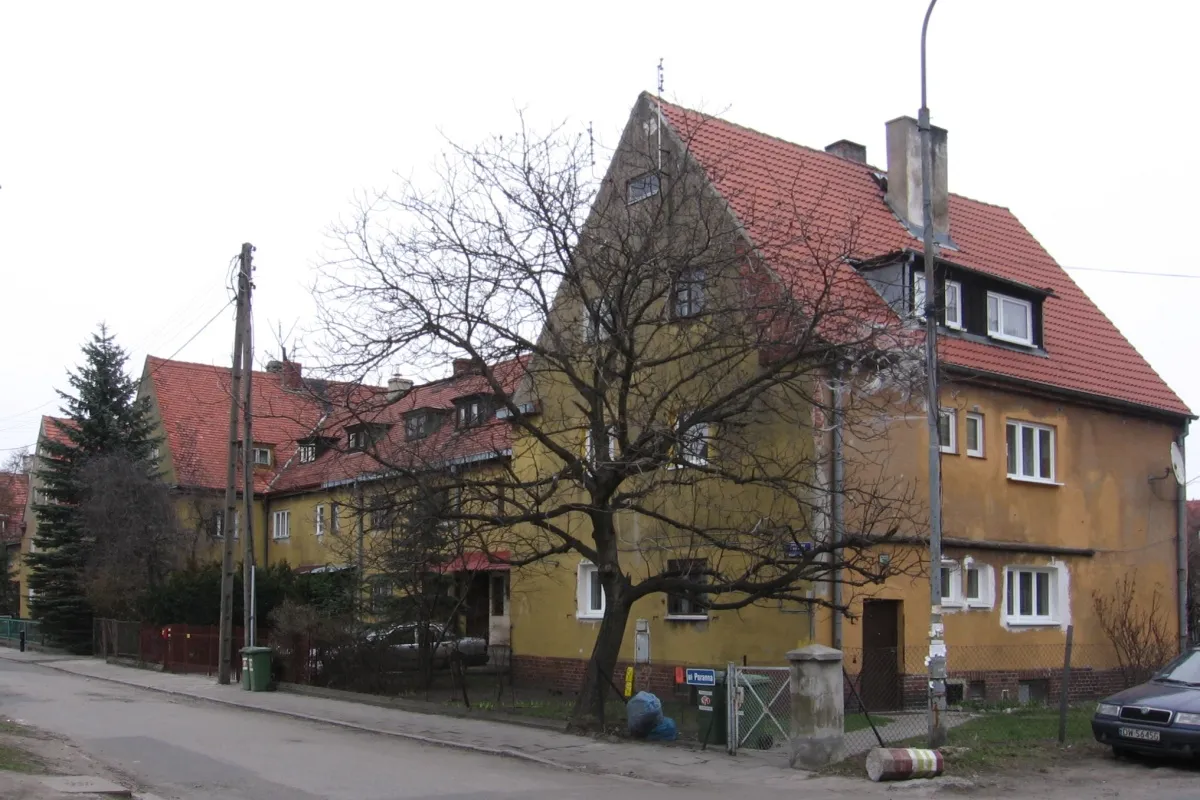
<point x="477" y="562"/>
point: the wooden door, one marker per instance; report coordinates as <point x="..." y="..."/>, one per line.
<point x="880" y="676"/>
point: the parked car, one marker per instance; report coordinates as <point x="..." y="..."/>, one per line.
<point x="1160" y="716"/>
<point x="402" y="641"/>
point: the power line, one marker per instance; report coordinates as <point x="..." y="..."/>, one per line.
<point x="192" y="338"/>
<point x="1132" y="272"/>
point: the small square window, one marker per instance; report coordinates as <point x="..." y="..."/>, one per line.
<point x="694" y="445"/>
<point x="975" y="435"/>
<point x="1031" y="596"/>
<point x="689" y="603"/>
<point x="642" y="187"/>
<point x="307" y="453"/>
<point x="1010" y="319"/>
<point x="473" y="411"/>
<point x="262" y="456"/>
<point x="947" y="430"/>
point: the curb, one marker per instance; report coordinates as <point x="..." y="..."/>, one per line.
<point x="413" y="737"/>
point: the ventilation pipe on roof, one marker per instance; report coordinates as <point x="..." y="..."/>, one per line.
<point x="904" y="177"/>
<point x="851" y="151"/>
<point x="398" y="387"/>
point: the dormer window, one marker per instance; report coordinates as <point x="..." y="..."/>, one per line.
<point x="261" y="456"/>
<point x="362" y="436"/>
<point x="473" y="411"/>
<point x="357" y="440"/>
<point x="307" y="453"/>
<point x="1009" y="319"/>
<point x="952" y="315"/>
<point x="420" y="424"/>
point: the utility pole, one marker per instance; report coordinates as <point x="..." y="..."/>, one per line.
<point x="248" y="583"/>
<point x="226" y="633"/>
<point x="937" y="644"/>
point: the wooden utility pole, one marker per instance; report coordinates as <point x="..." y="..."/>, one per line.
<point x="226" y="634"/>
<point x="248" y="583"/>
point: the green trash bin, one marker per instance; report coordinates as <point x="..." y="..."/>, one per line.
<point x="712" y="712"/>
<point x="755" y="728"/>
<point x="256" y="668"/>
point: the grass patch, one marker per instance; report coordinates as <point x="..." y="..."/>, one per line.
<point x="858" y="722"/>
<point x="14" y="759"/>
<point x="1025" y="739"/>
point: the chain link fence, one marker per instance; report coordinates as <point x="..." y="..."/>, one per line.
<point x="887" y="688"/>
<point x="11" y="629"/>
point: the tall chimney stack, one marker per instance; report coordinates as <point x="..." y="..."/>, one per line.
<point x="904" y="176"/>
<point x="398" y="386"/>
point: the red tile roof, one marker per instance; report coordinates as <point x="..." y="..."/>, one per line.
<point x="193" y="403"/>
<point x="765" y="179"/>
<point x="14" y="491"/>
<point x="54" y="429"/>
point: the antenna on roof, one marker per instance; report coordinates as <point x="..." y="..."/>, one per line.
<point x="659" y="105"/>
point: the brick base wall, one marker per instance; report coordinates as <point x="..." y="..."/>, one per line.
<point x="566" y="674"/>
<point x="1000" y="686"/>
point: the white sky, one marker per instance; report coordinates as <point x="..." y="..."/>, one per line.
<point x="140" y="144"/>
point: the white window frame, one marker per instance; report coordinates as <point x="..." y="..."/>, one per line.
<point x="696" y="611"/>
<point x="986" y="583"/>
<point x="687" y="445"/>
<point x="264" y="452"/>
<point x="319" y="519"/>
<point x="645" y="193"/>
<point x="335" y="517"/>
<point x="953" y="288"/>
<point x="584" y="609"/>
<point x="952" y="415"/>
<point x="952" y="594"/>
<point x="977" y="419"/>
<point x="281" y="524"/>
<point x="998" y="318"/>
<point x="307" y="453"/>
<point x="589" y="448"/>
<point x="1012" y="597"/>
<point x="1018" y="447"/>
<point x="687" y="295"/>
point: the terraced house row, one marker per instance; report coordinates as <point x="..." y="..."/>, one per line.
<point x="1055" y="438"/>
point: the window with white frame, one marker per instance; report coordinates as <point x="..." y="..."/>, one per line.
<point x="687" y="296"/>
<point x="307" y="453"/>
<point x="978" y="584"/>
<point x="1030" y="452"/>
<point x="281" y="524"/>
<point x="589" y="445"/>
<point x="688" y="603"/>
<point x="262" y="456"/>
<point x="590" y="592"/>
<point x="975" y="435"/>
<point x="694" y="444"/>
<point x="599" y="321"/>
<point x="319" y="520"/>
<point x="1009" y="319"/>
<point x="642" y="186"/>
<point x="1031" y="595"/>
<point x="951" y="583"/>
<point x="948" y="430"/>
<point x="335" y="516"/>
<point x="952" y="315"/>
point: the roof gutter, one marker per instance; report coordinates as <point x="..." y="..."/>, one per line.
<point x="450" y="462"/>
<point x="999" y="546"/>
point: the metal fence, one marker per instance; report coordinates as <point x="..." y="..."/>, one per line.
<point x="11" y="629"/>
<point x="759" y="703"/>
<point x="171" y="648"/>
<point x="887" y="688"/>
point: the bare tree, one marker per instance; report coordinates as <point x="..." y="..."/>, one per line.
<point x="138" y="539"/>
<point x="669" y="378"/>
<point x="1137" y="631"/>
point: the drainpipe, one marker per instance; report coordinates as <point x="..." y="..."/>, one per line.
<point x="267" y="532"/>
<point x="362" y="579"/>
<point x="836" y="507"/>
<point x="1181" y="555"/>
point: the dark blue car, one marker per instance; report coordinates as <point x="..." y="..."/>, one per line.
<point x="1160" y="716"/>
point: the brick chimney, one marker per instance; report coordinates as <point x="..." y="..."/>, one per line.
<point x="291" y="376"/>
<point x="904" y="176"/>
<point x="852" y="151"/>
<point x="464" y="366"/>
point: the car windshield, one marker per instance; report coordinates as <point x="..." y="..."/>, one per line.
<point x="1185" y="669"/>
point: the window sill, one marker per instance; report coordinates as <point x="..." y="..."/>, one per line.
<point x="281" y="538"/>
<point x="590" y="617"/>
<point x="1038" y="481"/>
<point x="950" y="451"/>
<point x="1025" y="622"/>
<point x="687" y="618"/>
<point x="978" y="604"/>
<point x="1010" y="339"/>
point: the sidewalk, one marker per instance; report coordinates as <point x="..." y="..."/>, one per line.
<point x="673" y="765"/>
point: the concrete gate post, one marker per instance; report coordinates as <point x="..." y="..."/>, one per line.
<point x="818" y="707"/>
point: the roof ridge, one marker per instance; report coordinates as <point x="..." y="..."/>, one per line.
<point x="809" y="148"/>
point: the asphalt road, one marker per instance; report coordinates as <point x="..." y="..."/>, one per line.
<point x="185" y="749"/>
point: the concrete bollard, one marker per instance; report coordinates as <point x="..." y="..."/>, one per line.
<point x="902" y="763"/>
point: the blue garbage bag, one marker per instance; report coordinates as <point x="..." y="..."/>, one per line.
<point x="665" y="731"/>
<point x="643" y="713"/>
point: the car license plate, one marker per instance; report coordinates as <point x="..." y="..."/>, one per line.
<point x="1138" y="733"/>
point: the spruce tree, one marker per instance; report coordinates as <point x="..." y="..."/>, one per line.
<point x="103" y="418"/>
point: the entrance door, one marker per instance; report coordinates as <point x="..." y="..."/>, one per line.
<point x="880" y="676"/>
<point x="475" y="606"/>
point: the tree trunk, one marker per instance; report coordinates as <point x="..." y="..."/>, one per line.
<point x="599" y="679"/>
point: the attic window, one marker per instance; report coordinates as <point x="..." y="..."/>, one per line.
<point x="419" y="425"/>
<point x="473" y="411"/>
<point x="1009" y="319"/>
<point x="262" y="456"/>
<point x="357" y="439"/>
<point x="307" y="453"/>
<point x="642" y="187"/>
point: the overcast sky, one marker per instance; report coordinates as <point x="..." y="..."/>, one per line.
<point x="141" y="144"/>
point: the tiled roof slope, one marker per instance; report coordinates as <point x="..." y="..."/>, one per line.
<point x="763" y="177"/>
<point x="193" y="403"/>
<point x="53" y="428"/>
<point x="14" y="491"/>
